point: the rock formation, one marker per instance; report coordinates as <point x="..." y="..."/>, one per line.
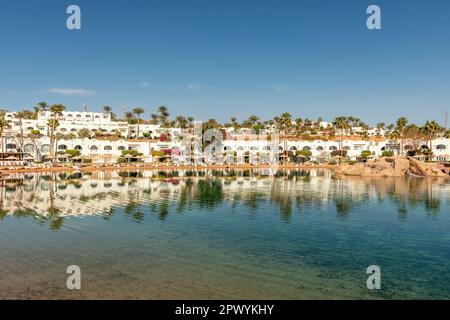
<point x="392" y="167"/>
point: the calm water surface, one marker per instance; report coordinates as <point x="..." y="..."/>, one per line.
<point x="223" y="235"/>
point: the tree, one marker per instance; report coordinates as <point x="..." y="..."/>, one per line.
<point x="181" y="121"/>
<point x="164" y="116"/>
<point x="234" y="123"/>
<point x="431" y="129"/>
<point x="3" y="125"/>
<point x="154" y="119"/>
<point x="20" y="116"/>
<point x="52" y="123"/>
<point x="84" y="133"/>
<point x="191" y="121"/>
<point x="56" y="111"/>
<point x="401" y="124"/>
<point x="138" y="112"/>
<point x="107" y="109"/>
<point x="40" y="107"/>
<point x="342" y="124"/>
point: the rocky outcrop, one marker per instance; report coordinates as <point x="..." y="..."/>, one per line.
<point x="392" y="167"/>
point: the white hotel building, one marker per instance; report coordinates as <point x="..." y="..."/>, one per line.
<point x="108" y="150"/>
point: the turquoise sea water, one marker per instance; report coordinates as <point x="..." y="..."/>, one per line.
<point x="223" y="235"/>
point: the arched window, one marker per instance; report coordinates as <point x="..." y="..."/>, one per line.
<point x="306" y="148"/>
<point x="63" y="130"/>
<point x="121" y="148"/>
<point x="29" y="148"/>
<point x="62" y="147"/>
<point x="293" y="148"/>
<point x="45" y="149"/>
<point x="11" y="146"/>
<point x="254" y="148"/>
<point x="78" y="147"/>
<point x="441" y="147"/>
<point x="30" y="128"/>
<point x="332" y="148"/>
<point x="319" y="148"/>
<point x="78" y="115"/>
<point x="280" y="148"/>
<point x="266" y="148"/>
<point x="94" y="148"/>
<point x="73" y="130"/>
<point x="107" y="148"/>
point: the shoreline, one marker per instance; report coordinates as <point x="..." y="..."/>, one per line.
<point x="4" y="173"/>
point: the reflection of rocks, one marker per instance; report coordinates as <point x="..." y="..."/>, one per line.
<point x="392" y="167"/>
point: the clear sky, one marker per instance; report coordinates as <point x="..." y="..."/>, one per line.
<point x="223" y="58"/>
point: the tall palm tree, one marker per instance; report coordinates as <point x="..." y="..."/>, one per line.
<point x="401" y="124"/>
<point x="3" y="125"/>
<point x="52" y="123"/>
<point x="138" y="112"/>
<point x="128" y="115"/>
<point x="20" y="116"/>
<point x="56" y="111"/>
<point x="164" y="115"/>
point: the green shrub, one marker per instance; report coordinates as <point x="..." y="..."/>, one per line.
<point x="305" y="153"/>
<point x="388" y="153"/>
<point x="366" y="154"/>
<point x="73" y="153"/>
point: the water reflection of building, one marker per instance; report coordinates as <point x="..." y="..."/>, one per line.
<point x="77" y="194"/>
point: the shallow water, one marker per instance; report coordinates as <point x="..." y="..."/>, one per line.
<point x="223" y="235"/>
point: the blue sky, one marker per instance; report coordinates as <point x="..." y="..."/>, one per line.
<point x="211" y="58"/>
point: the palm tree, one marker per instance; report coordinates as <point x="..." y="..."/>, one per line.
<point x="52" y="123"/>
<point x="191" y="120"/>
<point x="128" y="115"/>
<point x="20" y="116"/>
<point x="56" y="111"/>
<point x="154" y="119"/>
<point x="182" y="122"/>
<point x="164" y="115"/>
<point x="107" y="109"/>
<point x="342" y="124"/>
<point x="401" y="124"/>
<point x="431" y="129"/>
<point x="138" y="112"/>
<point x="3" y="125"/>
<point x="84" y="133"/>
<point x="286" y="122"/>
<point x="234" y="123"/>
<point x="299" y="126"/>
